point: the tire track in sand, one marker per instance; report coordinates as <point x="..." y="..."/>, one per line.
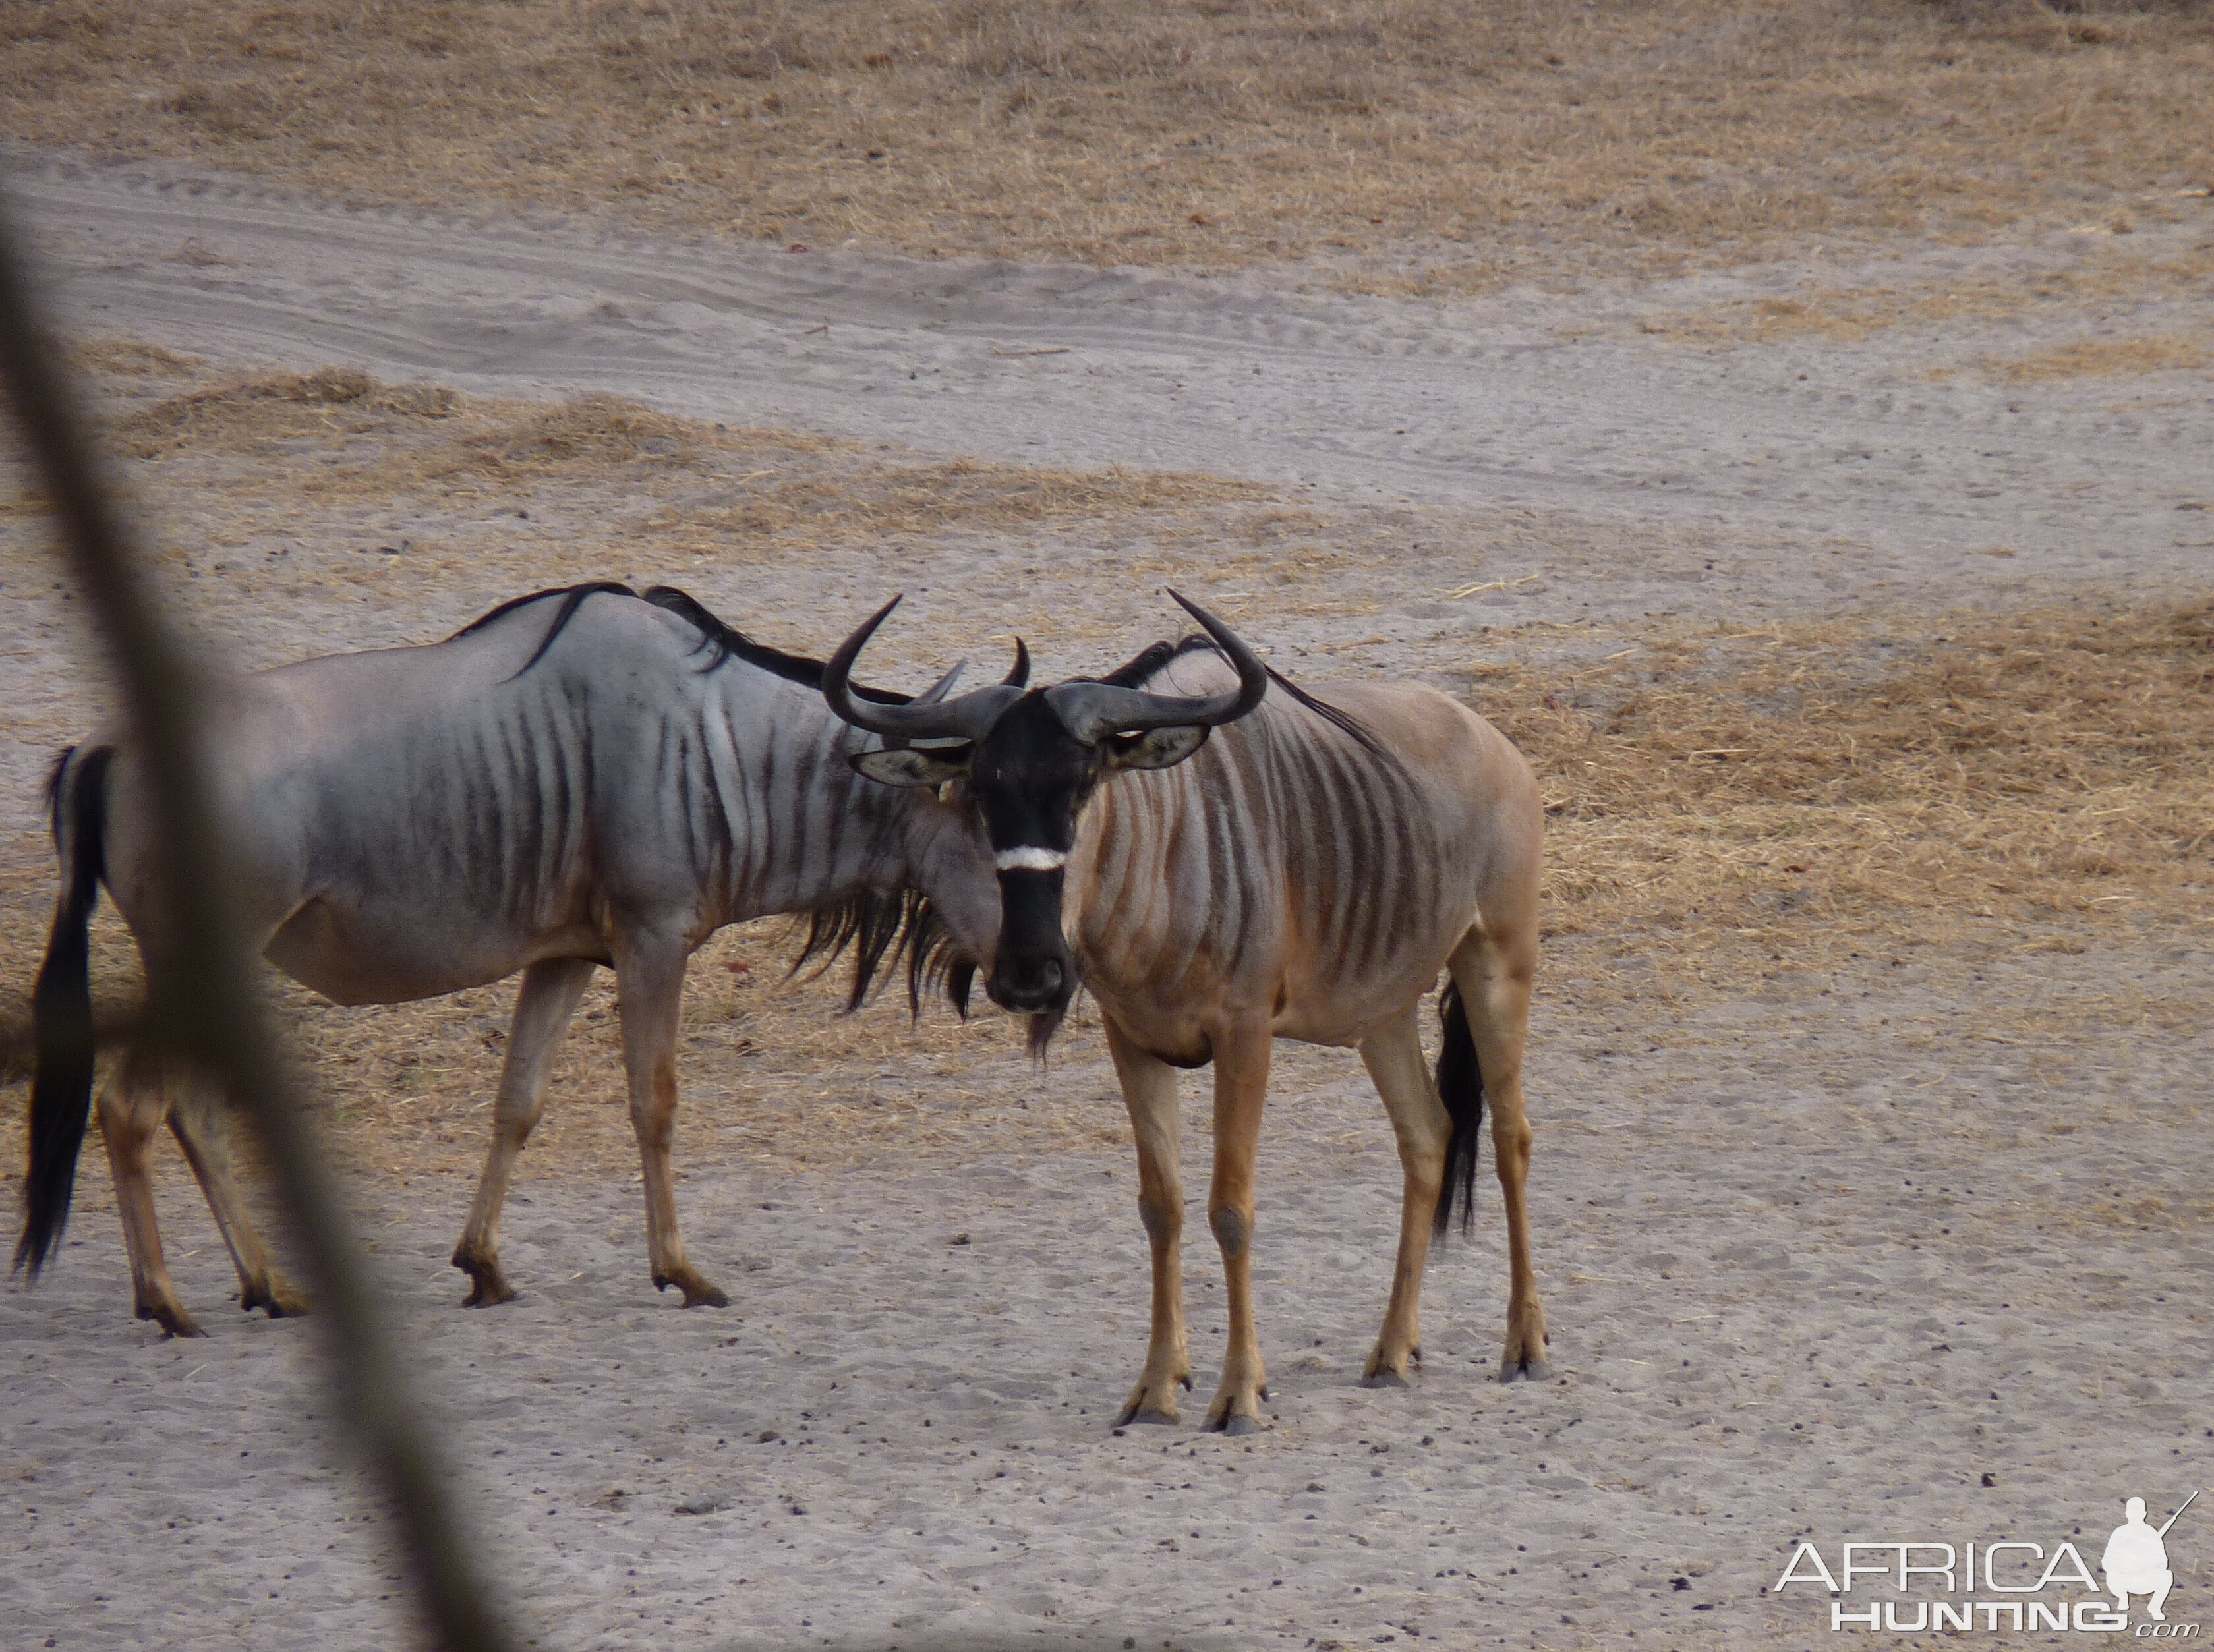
<point x="1510" y="402"/>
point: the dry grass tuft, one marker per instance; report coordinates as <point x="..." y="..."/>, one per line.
<point x="2081" y="290"/>
<point x="1429" y="143"/>
<point x="2100" y="358"/>
<point x="590" y="431"/>
<point x="275" y="406"/>
<point x="131" y="358"/>
<point x="932" y="499"/>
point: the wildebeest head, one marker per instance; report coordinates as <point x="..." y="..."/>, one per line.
<point x="1026" y="760"/>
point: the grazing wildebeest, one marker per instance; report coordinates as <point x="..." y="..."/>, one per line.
<point x="579" y="777"/>
<point x="1305" y="873"/>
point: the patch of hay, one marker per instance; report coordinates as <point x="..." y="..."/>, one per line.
<point x="1818" y="791"/>
<point x="1425" y="144"/>
<point x="276" y="407"/>
<point x="2100" y="358"/>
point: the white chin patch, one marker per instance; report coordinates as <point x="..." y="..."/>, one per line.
<point x="1029" y="860"/>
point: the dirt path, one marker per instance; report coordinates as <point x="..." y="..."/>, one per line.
<point x="1782" y="456"/>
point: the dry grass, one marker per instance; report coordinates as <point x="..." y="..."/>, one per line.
<point x="272" y="407"/>
<point x="2027" y="780"/>
<point x="2100" y="358"/>
<point x="778" y="482"/>
<point x="410" y="484"/>
<point x="1424" y="143"/>
<point x="2081" y="291"/>
<point x="131" y="358"/>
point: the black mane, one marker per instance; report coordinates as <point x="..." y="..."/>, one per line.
<point x="872" y="925"/>
<point x="573" y="598"/>
<point x="1140" y="668"/>
<point x="934" y="959"/>
<point x="718" y="640"/>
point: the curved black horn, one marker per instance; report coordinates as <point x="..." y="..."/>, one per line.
<point x="968" y="717"/>
<point x="1091" y="711"/>
<point x="1019" y="676"/>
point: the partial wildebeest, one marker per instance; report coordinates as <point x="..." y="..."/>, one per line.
<point x="1305" y="873"/>
<point x="580" y="778"/>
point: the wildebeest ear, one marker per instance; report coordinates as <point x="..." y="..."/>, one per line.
<point x="1158" y="748"/>
<point x="915" y="765"/>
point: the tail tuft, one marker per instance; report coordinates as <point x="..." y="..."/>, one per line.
<point x="1460" y="1087"/>
<point x="61" y="1009"/>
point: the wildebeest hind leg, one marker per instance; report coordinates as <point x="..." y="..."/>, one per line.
<point x="1494" y="973"/>
<point x="650" y="979"/>
<point x="547" y="998"/>
<point x="131" y="1107"/>
<point x="1149" y="1090"/>
<point x="1394" y="1058"/>
<point x="196" y="1120"/>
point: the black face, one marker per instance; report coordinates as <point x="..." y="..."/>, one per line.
<point x="1028" y="779"/>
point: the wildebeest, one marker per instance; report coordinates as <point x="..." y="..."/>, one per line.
<point x="580" y="778"/>
<point x="1305" y="873"/>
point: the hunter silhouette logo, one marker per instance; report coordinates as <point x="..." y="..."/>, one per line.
<point x="2135" y="1561"/>
<point x="2000" y="1585"/>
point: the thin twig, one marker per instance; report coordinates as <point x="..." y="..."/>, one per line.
<point x="201" y="998"/>
<point x="1484" y="585"/>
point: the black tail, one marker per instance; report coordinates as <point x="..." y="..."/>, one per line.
<point x="1460" y="1087"/>
<point x="61" y="1006"/>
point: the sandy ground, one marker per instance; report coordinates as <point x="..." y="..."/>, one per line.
<point x="1832" y="1258"/>
<point x="1809" y="1275"/>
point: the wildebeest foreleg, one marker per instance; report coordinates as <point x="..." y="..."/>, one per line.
<point x="1241" y="1085"/>
<point x="1149" y="1090"/>
<point x="1494" y="974"/>
<point x="132" y="1105"/>
<point x="548" y="997"/>
<point x="650" y="979"/>
<point x="196" y="1120"/>
<point x="1394" y="1058"/>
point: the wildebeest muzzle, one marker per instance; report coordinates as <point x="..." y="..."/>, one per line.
<point x="1033" y="970"/>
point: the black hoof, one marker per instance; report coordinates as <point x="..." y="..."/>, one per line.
<point x="1237" y="1424"/>
<point x="488" y="1286"/>
<point x="1147" y="1418"/>
<point x="488" y="1290"/>
<point x="174" y="1321"/>
<point x="1383" y="1379"/>
<point x="1534" y="1370"/>
<point x="698" y="1293"/>
<point x="277" y="1303"/>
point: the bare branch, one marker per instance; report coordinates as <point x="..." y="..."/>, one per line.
<point x="202" y="995"/>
